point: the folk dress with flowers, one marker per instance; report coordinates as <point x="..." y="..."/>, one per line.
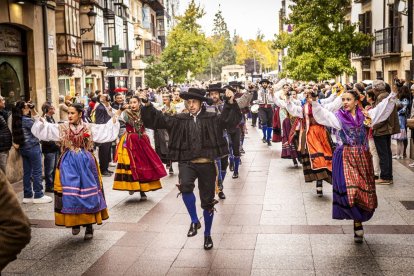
<point x="79" y="195"/>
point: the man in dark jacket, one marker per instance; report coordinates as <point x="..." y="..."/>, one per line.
<point x="196" y="140"/>
<point x="5" y="135"/>
<point x="50" y="151"/>
<point x="382" y="134"/>
<point x="103" y="112"/>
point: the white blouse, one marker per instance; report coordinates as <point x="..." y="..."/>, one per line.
<point x="378" y="114"/>
<point x="101" y="133"/>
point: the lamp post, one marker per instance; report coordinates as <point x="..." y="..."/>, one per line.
<point x="91" y="18"/>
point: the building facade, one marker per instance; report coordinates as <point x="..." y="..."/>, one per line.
<point x="390" y="22"/>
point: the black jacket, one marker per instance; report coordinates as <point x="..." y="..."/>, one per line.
<point x="5" y="133"/>
<point x="184" y="142"/>
<point x="101" y="114"/>
<point x="50" y="146"/>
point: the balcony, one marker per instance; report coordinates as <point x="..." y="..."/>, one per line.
<point x="364" y="54"/>
<point x="69" y="49"/>
<point x="388" y="42"/>
<point x="156" y="5"/>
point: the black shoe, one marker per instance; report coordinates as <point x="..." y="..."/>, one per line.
<point x="242" y="151"/>
<point x="88" y="233"/>
<point x="269" y="143"/>
<point x="208" y="243"/>
<point x="231" y="166"/>
<point x="264" y="140"/>
<point x="235" y="175"/>
<point x="193" y="229"/>
<point x="143" y="196"/>
<point x="107" y="174"/>
<point x="171" y="171"/>
<point x="49" y="190"/>
<point x="221" y="195"/>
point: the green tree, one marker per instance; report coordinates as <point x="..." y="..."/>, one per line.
<point x="156" y="74"/>
<point x="224" y="53"/>
<point x="188" y="49"/>
<point x="322" y="40"/>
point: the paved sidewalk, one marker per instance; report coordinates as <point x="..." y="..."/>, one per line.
<point x="271" y="223"/>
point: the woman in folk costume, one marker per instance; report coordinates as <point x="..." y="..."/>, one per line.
<point x="161" y="138"/>
<point x="79" y="195"/>
<point x="139" y="167"/>
<point x="286" y="121"/>
<point x="354" y="196"/>
<point x="315" y="143"/>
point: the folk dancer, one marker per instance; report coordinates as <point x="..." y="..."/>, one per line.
<point x="196" y="141"/>
<point x="354" y="195"/>
<point x="139" y="168"/>
<point x="315" y="143"/>
<point x="265" y="101"/>
<point x="79" y="195"/>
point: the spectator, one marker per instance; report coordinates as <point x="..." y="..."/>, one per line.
<point x="14" y="225"/>
<point x="50" y="150"/>
<point x="412" y="117"/>
<point x="403" y="111"/>
<point x="5" y="135"/>
<point x="64" y="103"/>
<point x="371" y="143"/>
<point x="382" y="134"/>
<point x="29" y="148"/>
<point x="103" y="113"/>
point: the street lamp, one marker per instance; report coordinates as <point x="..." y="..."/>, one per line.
<point x="91" y="18"/>
<point x="138" y="41"/>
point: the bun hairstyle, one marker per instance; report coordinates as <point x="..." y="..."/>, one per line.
<point x="80" y="108"/>
<point x="46" y="107"/>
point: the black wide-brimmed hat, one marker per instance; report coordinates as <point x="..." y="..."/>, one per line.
<point x="215" y="87"/>
<point x="194" y="93"/>
<point x="265" y="81"/>
<point x="236" y="84"/>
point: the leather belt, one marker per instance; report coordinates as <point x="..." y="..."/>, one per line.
<point x="201" y="160"/>
<point x="265" y="105"/>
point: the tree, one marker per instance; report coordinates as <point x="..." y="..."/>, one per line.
<point x="188" y="49"/>
<point x="223" y="52"/>
<point x="156" y="74"/>
<point x="321" y="42"/>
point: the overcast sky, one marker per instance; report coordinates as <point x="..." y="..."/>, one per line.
<point x="244" y="16"/>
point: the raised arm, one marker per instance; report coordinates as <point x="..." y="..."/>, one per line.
<point x="244" y="101"/>
<point x="155" y="119"/>
<point x="324" y="116"/>
<point x="330" y="99"/>
<point x="103" y="133"/>
<point x="383" y="110"/>
<point x="293" y="109"/>
<point x="333" y="106"/>
<point x="45" y="131"/>
<point x="278" y="100"/>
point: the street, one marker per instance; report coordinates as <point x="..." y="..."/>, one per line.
<point x="271" y="223"/>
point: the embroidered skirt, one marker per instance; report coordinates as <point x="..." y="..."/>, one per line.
<point x="277" y="128"/>
<point x="79" y="195"/>
<point x="354" y="196"/>
<point x="288" y="148"/>
<point x="124" y="176"/>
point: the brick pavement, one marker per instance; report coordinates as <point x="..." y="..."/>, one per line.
<point x="271" y="223"/>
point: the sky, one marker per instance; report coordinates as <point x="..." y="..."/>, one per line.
<point x="244" y="16"/>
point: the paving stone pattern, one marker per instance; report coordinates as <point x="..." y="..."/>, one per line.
<point x="272" y="223"/>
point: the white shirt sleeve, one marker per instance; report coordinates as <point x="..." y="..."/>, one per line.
<point x="324" y="116"/>
<point x="330" y="99"/>
<point x="103" y="133"/>
<point x="278" y="101"/>
<point x="294" y="110"/>
<point x="383" y="110"/>
<point x="333" y="106"/>
<point x="45" y="131"/>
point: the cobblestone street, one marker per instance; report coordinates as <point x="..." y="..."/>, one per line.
<point x="271" y="223"/>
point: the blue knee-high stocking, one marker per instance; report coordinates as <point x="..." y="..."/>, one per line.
<point x="269" y="133"/>
<point x="190" y="202"/>
<point x="231" y="160"/>
<point x="218" y="164"/>
<point x="264" y="127"/>
<point x="236" y="164"/>
<point x="223" y="174"/>
<point x="208" y="221"/>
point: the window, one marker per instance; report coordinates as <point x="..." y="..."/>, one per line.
<point x="365" y="22"/>
<point x="379" y="75"/>
<point x="148" y="47"/>
<point x="153" y="25"/>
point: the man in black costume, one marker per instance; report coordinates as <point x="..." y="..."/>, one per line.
<point x="196" y="140"/>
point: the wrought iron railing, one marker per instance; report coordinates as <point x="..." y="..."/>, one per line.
<point x="388" y="41"/>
